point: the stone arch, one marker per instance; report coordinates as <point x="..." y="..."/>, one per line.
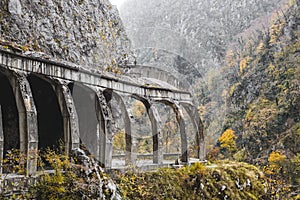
<point x="198" y="126"/>
<point x="180" y="120"/>
<point x="156" y="129"/>
<point x="27" y="117"/>
<point x="178" y="65"/>
<point x="85" y="101"/>
<point x="49" y="114"/>
<point x="9" y="120"/>
<point x="68" y="111"/>
<point x="10" y="137"/>
<point x="130" y="155"/>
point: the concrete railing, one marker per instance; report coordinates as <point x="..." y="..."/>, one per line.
<point x="72" y="72"/>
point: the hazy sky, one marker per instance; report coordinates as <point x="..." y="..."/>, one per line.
<point x="118" y="3"/>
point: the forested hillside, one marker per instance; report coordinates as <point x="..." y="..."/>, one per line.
<point x="201" y="31"/>
<point x="264" y="89"/>
<point x="248" y="53"/>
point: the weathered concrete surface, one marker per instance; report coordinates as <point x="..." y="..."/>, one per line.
<point x="73" y="73"/>
<point x="158" y="74"/>
<point x="99" y="89"/>
<point x="89" y="33"/>
<point x="156" y="133"/>
<point x="27" y="119"/>
<point x="105" y="124"/>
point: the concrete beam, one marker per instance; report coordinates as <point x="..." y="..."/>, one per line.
<point x="58" y="70"/>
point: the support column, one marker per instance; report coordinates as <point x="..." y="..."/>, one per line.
<point x="180" y="119"/>
<point x="70" y="118"/>
<point x="198" y="126"/>
<point x="156" y="134"/>
<point x="1" y="141"/>
<point x="104" y="116"/>
<point x="27" y="119"/>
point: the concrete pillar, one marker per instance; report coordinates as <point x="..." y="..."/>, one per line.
<point x="156" y="134"/>
<point x="198" y="126"/>
<point x="69" y="114"/>
<point x="131" y="148"/>
<point x="180" y="119"/>
<point x="27" y="119"/>
<point x="104" y="116"/>
<point x="1" y="140"/>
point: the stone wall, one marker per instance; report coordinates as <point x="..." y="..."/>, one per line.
<point x="85" y="32"/>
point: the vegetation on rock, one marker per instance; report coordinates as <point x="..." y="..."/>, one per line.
<point x="225" y="180"/>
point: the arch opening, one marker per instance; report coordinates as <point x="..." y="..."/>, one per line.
<point x="171" y="138"/>
<point x="10" y="116"/>
<point x="119" y="133"/>
<point x="90" y="129"/>
<point x="49" y="116"/>
<point x="141" y="131"/>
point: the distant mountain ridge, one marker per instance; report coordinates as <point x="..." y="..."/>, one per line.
<point x="198" y="30"/>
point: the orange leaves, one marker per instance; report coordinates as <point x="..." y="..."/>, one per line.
<point x="227" y="140"/>
<point x="276" y="157"/>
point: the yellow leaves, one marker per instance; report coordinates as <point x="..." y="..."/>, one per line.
<point x="233" y="88"/>
<point x="113" y="69"/>
<point x="276" y="31"/>
<point x="102" y="35"/>
<point x="111" y="24"/>
<point x="227" y="140"/>
<point x="260" y="112"/>
<point x="229" y="58"/>
<point x="276" y="157"/>
<point x="138" y="109"/>
<point x="25" y="48"/>
<point x="14" y="161"/>
<point x="119" y="142"/>
<point x="261" y="46"/>
<point x="243" y="63"/>
<point x="271" y="67"/>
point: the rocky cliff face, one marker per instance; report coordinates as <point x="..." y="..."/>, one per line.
<point x="89" y="33"/>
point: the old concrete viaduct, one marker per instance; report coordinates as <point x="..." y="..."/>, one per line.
<point x="43" y="101"/>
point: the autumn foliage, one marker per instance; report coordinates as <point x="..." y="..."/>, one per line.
<point x="227" y="141"/>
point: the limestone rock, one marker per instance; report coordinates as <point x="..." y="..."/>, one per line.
<point x="88" y="33"/>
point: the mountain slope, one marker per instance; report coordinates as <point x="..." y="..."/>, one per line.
<point x="264" y="93"/>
